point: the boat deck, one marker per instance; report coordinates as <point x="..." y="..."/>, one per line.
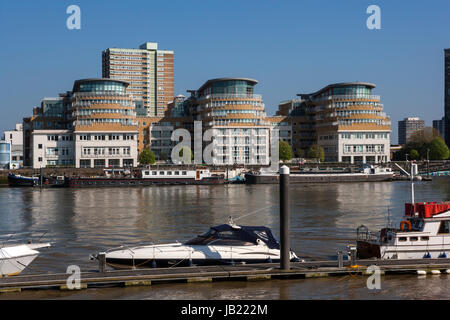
<point x="251" y="272"/>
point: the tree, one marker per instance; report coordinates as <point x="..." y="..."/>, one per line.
<point x="414" y="154"/>
<point x="438" y="149"/>
<point x="300" y="153"/>
<point x="147" y="157"/>
<point x="424" y="136"/>
<point x="316" y="152"/>
<point x="285" y="151"/>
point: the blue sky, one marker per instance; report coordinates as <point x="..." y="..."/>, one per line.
<point x="288" y="46"/>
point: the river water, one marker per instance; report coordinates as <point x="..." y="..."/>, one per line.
<point x="323" y="220"/>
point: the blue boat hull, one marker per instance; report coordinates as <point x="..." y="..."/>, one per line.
<point x="19" y="181"/>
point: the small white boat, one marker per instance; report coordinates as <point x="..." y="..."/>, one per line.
<point x="222" y="244"/>
<point x="15" y="258"/>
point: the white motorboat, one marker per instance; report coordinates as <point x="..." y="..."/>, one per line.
<point x="222" y="244"/>
<point x="15" y="258"/>
<point x="424" y="233"/>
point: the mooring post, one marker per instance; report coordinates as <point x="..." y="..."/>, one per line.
<point x="340" y="259"/>
<point x="102" y="261"/>
<point x="284" y="219"/>
<point x="353" y="255"/>
<point x="40" y="177"/>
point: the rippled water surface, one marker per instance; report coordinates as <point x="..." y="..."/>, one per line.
<point x="323" y="220"/>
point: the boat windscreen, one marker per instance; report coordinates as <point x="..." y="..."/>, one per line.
<point x="245" y="235"/>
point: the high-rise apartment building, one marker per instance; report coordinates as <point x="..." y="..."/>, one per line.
<point x="148" y="70"/>
<point x="439" y="125"/>
<point x="447" y="96"/>
<point x="407" y="127"/>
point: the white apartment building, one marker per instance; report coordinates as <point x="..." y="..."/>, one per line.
<point x="357" y="147"/>
<point x="105" y="149"/>
<point x="52" y="148"/>
<point x="15" y="138"/>
<point x="83" y="149"/>
<point x="241" y="145"/>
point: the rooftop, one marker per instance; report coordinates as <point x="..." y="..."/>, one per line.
<point x="211" y="81"/>
<point x="76" y="84"/>
<point x="340" y="84"/>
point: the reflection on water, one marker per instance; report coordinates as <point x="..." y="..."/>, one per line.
<point x="323" y="220"/>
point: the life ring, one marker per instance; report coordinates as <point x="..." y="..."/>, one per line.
<point x="402" y="225"/>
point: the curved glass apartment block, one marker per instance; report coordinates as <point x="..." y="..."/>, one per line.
<point x="230" y="107"/>
<point x="350" y="123"/>
<point x="104" y="124"/>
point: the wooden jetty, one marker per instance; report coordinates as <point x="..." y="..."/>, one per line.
<point x="251" y="272"/>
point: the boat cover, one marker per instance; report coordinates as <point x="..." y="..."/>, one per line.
<point x="426" y="209"/>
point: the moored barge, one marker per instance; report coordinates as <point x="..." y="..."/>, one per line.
<point x="151" y="177"/>
<point x="368" y="174"/>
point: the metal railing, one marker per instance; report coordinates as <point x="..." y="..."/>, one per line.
<point x="99" y="93"/>
<point x="347" y="97"/>
<point x="231" y="95"/>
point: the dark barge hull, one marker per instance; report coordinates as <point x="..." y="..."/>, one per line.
<point x="317" y="178"/>
<point x="139" y="182"/>
<point x="15" y="181"/>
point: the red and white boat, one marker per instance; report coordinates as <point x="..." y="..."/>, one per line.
<point x="423" y="233"/>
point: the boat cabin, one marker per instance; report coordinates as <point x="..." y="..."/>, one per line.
<point x="232" y="235"/>
<point x="198" y="174"/>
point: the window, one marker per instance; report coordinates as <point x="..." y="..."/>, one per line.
<point x="40" y="159"/>
<point x="169" y="173"/>
<point x="177" y="173"/>
<point x="444" y="227"/>
<point x="39" y="146"/>
<point x="424" y="238"/>
<point x="402" y="239"/>
<point x="183" y="173"/>
<point x="413" y="239"/>
<point x="154" y="173"/>
<point x="161" y="173"/>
